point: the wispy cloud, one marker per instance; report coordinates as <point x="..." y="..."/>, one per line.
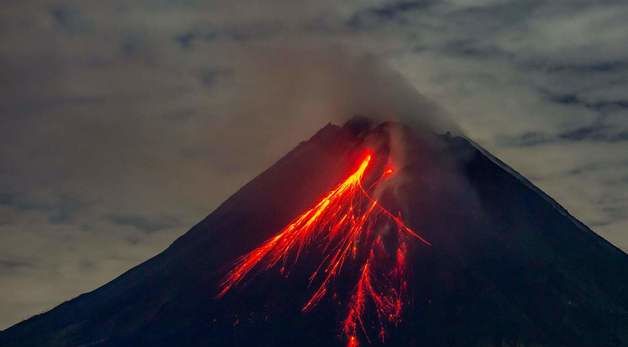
<point x="144" y="223"/>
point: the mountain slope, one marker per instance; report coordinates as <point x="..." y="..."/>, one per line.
<point x="507" y="265"/>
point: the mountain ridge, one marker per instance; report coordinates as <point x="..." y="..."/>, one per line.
<point x="539" y="191"/>
<point x="169" y="299"/>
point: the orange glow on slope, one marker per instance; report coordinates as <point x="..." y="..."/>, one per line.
<point x="347" y="221"/>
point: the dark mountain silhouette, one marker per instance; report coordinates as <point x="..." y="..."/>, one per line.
<point x="508" y="266"/>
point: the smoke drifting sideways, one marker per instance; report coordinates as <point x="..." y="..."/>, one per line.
<point x="282" y="92"/>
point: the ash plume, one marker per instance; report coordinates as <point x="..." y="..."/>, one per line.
<point x="284" y="91"/>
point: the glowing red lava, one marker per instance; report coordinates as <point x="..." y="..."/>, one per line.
<point x="351" y="223"/>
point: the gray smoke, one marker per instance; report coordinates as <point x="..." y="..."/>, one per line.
<point x="283" y="92"/>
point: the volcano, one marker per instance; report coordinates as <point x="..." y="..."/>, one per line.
<point x="366" y="234"/>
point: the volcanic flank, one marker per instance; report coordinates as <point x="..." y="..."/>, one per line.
<point x="367" y="234"/>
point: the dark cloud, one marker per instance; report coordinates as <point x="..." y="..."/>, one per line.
<point x="59" y="209"/>
<point x="530" y="138"/>
<point x="132" y="44"/>
<point x="69" y="19"/>
<point x="144" y="223"/>
<point x="594" y="133"/>
<point x="603" y="66"/>
<point x="392" y="11"/>
<point x="12" y="265"/>
<point x="238" y="33"/>
<point x="6" y="198"/>
<point x="210" y="76"/>
<point x="186" y="39"/>
<point x="573" y="99"/>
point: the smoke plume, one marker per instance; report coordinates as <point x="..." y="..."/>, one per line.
<point x="283" y="92"/>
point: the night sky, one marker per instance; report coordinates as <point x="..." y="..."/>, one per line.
<point x="123" y="123"/>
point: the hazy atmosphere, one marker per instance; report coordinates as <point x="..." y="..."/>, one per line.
<point x="122" y="124"/>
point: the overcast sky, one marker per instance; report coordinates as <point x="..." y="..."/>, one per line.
<point x="122" y="123"/>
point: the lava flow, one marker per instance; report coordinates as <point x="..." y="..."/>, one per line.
<point x="354" y="228"/>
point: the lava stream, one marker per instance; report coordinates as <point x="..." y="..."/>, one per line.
<point x="348" y="220"/>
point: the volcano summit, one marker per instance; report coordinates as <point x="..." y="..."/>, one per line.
<point x="366" y="234"/>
